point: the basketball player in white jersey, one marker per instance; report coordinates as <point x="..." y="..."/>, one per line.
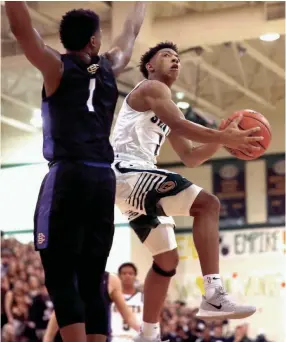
<point x="112" y="292"/>
<point x="150" y="196"/>
<point x="121" y="330"/>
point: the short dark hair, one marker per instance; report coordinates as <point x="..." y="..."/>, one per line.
<point x="128" y="264"/>
<point x="76" y="28"/>
<point x="152" y="52"/>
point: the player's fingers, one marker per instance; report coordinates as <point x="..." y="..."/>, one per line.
<point x="251" y="130"/>
<point x="222" y="125"/>
<point x="255" y="148"/>
<point x="252" y="139"/>
<point x="249" y="149"/>
<point x="247" y="152"/>
<point x="237" y="120"/>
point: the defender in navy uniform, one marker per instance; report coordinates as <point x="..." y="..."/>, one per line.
<point x="74" y="214"/>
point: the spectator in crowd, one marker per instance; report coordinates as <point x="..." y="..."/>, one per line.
<point x="218" y="332"/>
<point x="240" y="334"/>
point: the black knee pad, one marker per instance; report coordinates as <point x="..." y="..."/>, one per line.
<point x="163" y="273"/>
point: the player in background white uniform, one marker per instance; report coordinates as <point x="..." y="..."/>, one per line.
<point x="150" y="196"/>
<point x="121" y="331"/>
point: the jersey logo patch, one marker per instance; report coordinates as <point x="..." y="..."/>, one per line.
<point x="167" y="186"/>
<point x="41" y="238"/>
<point x="92" y="69"/>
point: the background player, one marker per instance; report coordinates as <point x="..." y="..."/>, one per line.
<point x="121" y="330"/>
<point x="74" y="215"/>
<point x="149" y="196"/>
<point x="113" y="295"/>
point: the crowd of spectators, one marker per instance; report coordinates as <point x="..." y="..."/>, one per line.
<point x="26" y="306"/>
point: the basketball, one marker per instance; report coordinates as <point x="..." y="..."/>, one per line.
<point x="251" y="119"/>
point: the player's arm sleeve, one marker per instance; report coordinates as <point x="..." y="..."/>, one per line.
<point x="157" y="97"/>
<point x="48" y="61"/>
<point x="118" y="299"/>
<point x="121" y="48"/>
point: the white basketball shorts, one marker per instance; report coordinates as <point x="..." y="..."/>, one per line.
<point x="149" y="197"/>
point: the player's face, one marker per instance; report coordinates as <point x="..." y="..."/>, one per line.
<point x="167" y="63"/>
<point x="127" y="276"/>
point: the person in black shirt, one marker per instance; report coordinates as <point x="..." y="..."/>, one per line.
<point x="74" y="216"/>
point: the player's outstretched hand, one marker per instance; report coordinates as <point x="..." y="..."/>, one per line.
<point x="240" y="139"/>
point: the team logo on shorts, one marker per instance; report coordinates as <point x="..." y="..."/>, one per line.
<point x="167" y="186"/>
<point x="92" y="69"/>
<point x="41" y="238"/>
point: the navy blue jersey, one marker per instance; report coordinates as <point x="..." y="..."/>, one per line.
<point x="77" y="118"/>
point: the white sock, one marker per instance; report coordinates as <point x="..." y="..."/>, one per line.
<point x="150" y="330"/>
<point x="211" y="281"/>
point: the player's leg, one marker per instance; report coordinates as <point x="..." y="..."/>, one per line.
<point x="157" y="234"/>
<point x="136" y="193"/>
<point x="205" y="207"/>
<point x="58" y="237"/>
<point x="61" y="283"/>
<point x="97" y="244"/>
<point x="91" y="270"/>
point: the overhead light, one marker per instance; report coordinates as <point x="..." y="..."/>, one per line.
<point x="269" y="37"/>
<point x="36" y="119"/>
<point x="180" y="95"/>
<point x="183" y="105"/>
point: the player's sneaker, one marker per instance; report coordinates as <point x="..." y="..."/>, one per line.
<point x="141" y="338"/>
<point x="221" y="306"/>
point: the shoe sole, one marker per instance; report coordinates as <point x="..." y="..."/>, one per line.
<point x="209" y="315"/>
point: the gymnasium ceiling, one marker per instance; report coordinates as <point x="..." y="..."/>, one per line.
<point x="223" y="59"/>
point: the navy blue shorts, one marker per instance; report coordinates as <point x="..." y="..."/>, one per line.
<point x="75" y="209"/>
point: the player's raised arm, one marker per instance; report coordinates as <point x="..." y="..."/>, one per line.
<point x="121" y="48"/>
<point x="48" y="61"/>
<point x="157" y="97"/>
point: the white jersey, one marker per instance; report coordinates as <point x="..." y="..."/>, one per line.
<point x="138" y="136"/>
<point x="119" y="328"/>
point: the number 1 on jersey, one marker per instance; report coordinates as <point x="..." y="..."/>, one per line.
<point x="92" y="84"/>
<point x="158" y="145"/>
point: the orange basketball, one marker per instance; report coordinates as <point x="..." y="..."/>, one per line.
<point x="249" y="120"/>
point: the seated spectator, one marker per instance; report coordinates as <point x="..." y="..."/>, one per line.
<point x="16" y="309"/>
<point x="39" y="314"/>
<point x="34" y="286"/>
<point x="218" y="332"/>
<point x="240" y="334"/>
<point x="4" y="290"/>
